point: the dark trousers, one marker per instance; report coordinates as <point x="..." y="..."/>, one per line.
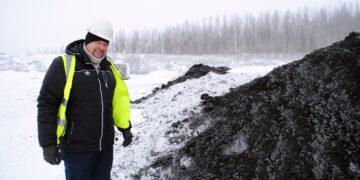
<point x="88" y="165"/>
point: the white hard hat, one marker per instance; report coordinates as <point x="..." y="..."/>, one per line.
<point x="101" y="28"/>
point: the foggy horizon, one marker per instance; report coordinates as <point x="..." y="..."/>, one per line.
<point x="40" y="25"/>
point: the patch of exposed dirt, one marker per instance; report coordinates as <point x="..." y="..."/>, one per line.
<point x="196" y="71"/>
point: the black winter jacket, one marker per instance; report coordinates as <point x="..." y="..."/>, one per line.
<point x="90" y="125"/>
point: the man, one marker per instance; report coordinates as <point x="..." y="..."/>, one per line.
<point x="78" y="107"/>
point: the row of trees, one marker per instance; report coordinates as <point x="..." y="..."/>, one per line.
<point x="288" y="33"/>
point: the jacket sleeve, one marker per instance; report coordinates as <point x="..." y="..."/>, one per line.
<point x="50" y="97"/>
<point x="121" y="102"/>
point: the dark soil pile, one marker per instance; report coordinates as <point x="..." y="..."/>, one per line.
<point x="196" y="71"/>
<point x="300" y="121"/>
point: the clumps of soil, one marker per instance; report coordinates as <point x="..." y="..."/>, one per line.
<point x="300" y="121"/>
<point x="196" y="71"/>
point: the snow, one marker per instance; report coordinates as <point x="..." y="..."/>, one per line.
<point x="354" y="168"/>
<point x="238" y="146"/>
<point x="21" y="77"/>
<point x="186" y="162"/>
<point x="20" y="155"/>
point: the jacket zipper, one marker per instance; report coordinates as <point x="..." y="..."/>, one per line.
<point x="102" y="112"/>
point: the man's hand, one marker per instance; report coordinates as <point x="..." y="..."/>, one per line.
<point x="51" y="155"/>
<point x="127" y="137"/>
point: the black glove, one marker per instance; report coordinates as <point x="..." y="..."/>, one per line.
<point x="127" y="137"/>
<point x="51" y="155"/>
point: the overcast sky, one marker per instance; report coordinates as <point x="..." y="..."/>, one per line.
<point x="40" y="24"/>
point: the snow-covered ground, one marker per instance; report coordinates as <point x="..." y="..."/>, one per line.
<point x="21" y="76"/>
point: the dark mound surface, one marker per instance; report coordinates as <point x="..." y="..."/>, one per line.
<point x="196" y="71"/>
<point x="300" y="121"/>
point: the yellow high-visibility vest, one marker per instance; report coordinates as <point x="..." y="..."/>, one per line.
<point x="121" y="99"/>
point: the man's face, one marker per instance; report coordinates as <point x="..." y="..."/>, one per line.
<point x="97" y="48"/>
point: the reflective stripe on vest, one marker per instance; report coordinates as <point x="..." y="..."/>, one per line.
<point x="69" y="67"/>
<point x="121" y="99"/>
